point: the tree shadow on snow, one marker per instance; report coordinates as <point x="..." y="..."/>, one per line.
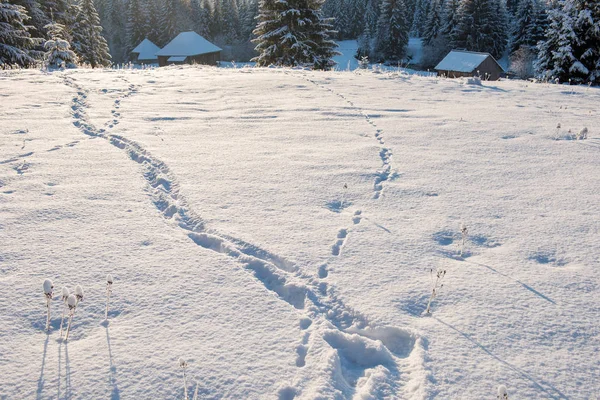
<point x="547" y="388"/>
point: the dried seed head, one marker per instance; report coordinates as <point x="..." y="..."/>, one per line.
<point x="182" y="363"/>
<point x="79" y="292"/>
<point x="109" y="279"/>
<point x="65" y="293"/>
<point x="502" y="392"/>
<point x="72" y="301"/>
<point x="48" y="287"/>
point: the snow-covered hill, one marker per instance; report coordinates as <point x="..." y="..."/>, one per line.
<point x="277" y="229"/>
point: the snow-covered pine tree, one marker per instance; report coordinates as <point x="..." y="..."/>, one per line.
<point x="422" y="13"/>
<point x="90" y="45"/>
<point x="392" y="31"/>
<point x="58" y="50"/>
<point x="321" y="37"/>
<point x="230" y="27"/>
<point x="248" y="14"/>
<point x="16" y="43"/>
<point x="500" y="29"/>
<point x="371" y="16"/>
<point x="522" y="28"/>
<point x="587" y="45"/>
<point x="434" y="23"/>
<point x="153" y="31"/>
<point x="293" y="33"/>
<point x="365" y="48"/>
<point x="201" y="17"/>
<point x="555" y="54"/>
<point x="450" y="17"/>
<point x="38" y="20"/>
<point x="481" y="27"/>
<point x="168" y="22"/>
<point x="136" y="28"/>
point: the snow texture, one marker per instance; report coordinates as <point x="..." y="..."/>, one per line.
<point x="188" y="44"/>
<point x="213" y="193"/>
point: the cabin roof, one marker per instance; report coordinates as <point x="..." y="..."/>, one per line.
<point x="188" y="44"/>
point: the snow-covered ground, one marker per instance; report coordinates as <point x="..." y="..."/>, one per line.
<point x="216" y="199"/>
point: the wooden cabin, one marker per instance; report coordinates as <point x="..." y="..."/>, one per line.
<point x="145" y="53"/>
<point x="460" y="63"/>
<point x="189" y="48"/>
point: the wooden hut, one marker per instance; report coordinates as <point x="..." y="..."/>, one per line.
<point x="145" y="53"/>
<point x="469" y="63"/>
<point x="189" y="48"/>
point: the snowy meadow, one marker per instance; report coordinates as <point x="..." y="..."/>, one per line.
<point x="297" y="234"/>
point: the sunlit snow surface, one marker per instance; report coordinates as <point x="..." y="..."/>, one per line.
<point x="215" y="198"/>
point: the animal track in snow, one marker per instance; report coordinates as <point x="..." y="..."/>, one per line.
<point x="323" y="314"/>
<point x="385" y="154"/>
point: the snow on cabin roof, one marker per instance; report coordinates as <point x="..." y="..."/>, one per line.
<point x="462" y="61"/>
<point x="147" y="50"/>
<point x="177" y="59"/>
<point x="188" y="44"/>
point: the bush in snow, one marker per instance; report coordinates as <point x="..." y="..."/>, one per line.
<point x="58" y="50"/>
<point x="502" y="393"/>
<point x="521" y="62"/>
<point x="436" y="285"/>
<point x="65" y="297"/>
<point x="183" y="365"/>
<point x="48" y="292"/>
<point x="109" y="282"/>
<point x="583" y="134"/>
<point x="72" y="304"/>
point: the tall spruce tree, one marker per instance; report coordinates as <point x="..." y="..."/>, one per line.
<point x="481" y="27"/>
<point x="523" y="28"/>
<point x="434" y="24"/>
<point x="168" y="22"/>
<point x="392" y="31"/>
<point x="136" y="29"/>
<point x="16" y="43"/>
<point x="293" y="33"/>
<point x="90" y="45"/>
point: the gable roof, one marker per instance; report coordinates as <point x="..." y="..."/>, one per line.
<point x="464" y="61"/>
<point x="188" y="44"/>
<point x="147" y="50"/>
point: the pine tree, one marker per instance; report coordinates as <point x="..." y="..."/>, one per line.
<point x="153" y="31"/>
<point x="16" y="42"/>
<point x="481" y="27"/>
<point x="555" y="54"/>
<point x="201" y="18"/>
<point x="136" y="29"/>
<point x="90" y="45"/>
<point x="230" y="21"/>
<point x="586" y="48"/>
<point x="422" y="15"/>
<point x="39" y="19"/>
<point x="365" y="48"/>
<point x="168" y="22"/>
<point x="450" y="17"/>
<point x="523" y="28"/>
<point x="248" y="14"/>
<point x="293" y="33"/>
<point x="433" y="26"/>
<point x="58" y="50"/>
<point x="392" y="31"/>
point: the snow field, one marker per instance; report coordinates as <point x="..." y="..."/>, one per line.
<point x="280" y="291"/>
